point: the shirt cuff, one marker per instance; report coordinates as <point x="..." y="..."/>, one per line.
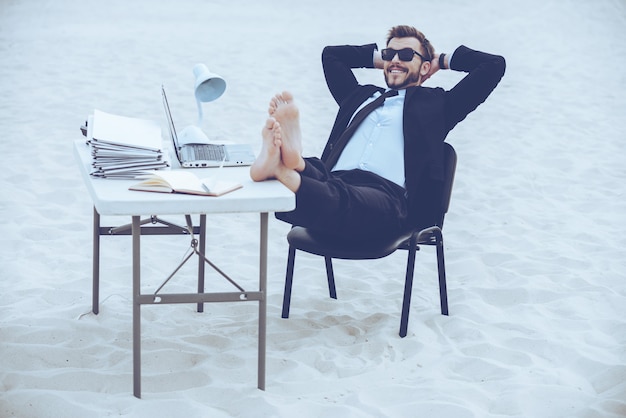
<point x="450" y="56"/>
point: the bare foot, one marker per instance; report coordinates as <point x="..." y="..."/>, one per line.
<point x="283" y="108"/>
<point x="266" y="165"/>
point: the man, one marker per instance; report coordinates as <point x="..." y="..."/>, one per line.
<point x="383" y="177"/>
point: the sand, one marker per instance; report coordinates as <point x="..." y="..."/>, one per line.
<point x="534" y="238"/>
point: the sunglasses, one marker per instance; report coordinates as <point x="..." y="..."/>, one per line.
<point x="405" y="54"/>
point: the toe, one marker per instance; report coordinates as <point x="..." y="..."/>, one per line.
<point x="287" y="96"/>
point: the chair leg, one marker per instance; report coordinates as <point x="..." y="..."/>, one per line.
<point x="331" y="277"/>
<point x="288" y="281"/>
<point x="441" y="268"/>
<point x="408" y="287"/>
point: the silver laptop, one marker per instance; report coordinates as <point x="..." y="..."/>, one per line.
<point x="207" y="155"/>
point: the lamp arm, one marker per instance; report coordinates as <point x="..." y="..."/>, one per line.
<point x="199" y="112"/>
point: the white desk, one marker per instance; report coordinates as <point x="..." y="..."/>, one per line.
<point x="112" y="197"/>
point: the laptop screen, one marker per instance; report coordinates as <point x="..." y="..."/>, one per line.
<point x="170" y="124"/>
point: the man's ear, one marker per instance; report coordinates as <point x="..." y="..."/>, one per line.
<point x="425" y="68"/>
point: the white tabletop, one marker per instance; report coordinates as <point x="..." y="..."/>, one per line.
<point x="112" y="197"/>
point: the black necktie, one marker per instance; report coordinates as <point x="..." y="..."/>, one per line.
<point x="354" y="124"/>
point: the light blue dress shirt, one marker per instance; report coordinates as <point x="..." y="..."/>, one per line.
<point x="378" y="143"/>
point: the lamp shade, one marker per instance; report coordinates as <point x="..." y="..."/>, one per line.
<point x="208" y="86"/>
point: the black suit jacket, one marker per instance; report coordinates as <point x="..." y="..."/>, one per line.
<point x="429" y="114"/>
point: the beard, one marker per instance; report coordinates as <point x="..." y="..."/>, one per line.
<point x="411" y="79"/>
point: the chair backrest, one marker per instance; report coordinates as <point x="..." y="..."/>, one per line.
<point x="448" y="181"/>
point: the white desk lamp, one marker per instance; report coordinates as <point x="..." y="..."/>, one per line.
<point x="208" y="87"/>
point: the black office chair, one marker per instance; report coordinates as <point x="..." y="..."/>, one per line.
<point x="300" y="238"/>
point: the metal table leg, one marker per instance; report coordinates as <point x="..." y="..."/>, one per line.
<point x="201" y="265"/>
<point x="136" y="231"/>
<point x="263" y="300"/>
<point x="95" y="291"/>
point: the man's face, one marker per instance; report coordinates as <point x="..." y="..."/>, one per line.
<point x="404" y="74"/>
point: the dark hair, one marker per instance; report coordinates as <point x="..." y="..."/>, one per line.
<point x="405" y="31"/>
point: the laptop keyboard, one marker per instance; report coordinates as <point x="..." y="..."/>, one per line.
<point x="209" y="152"/>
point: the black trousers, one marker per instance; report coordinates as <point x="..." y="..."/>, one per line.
<point x="352" y="203"/>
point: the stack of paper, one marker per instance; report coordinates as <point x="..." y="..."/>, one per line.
<point x="124" y="147"/>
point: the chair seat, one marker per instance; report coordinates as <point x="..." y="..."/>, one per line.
<point x="344" y="248"/>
